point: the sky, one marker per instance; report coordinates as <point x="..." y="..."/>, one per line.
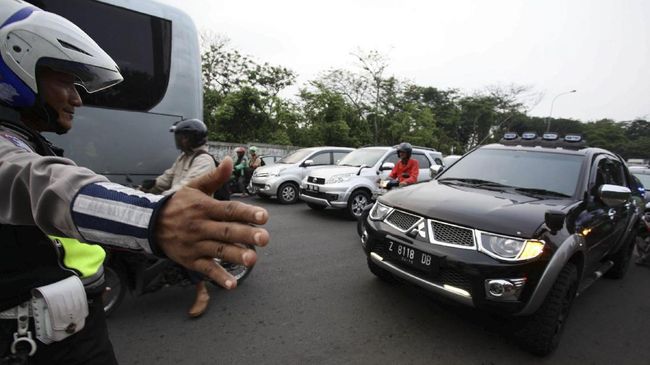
<point x="600" y="48"/>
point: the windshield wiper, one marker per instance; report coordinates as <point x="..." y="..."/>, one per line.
<point x="347" y="164"/>
<point x="544" y="192"/>
<point x="474" y="182"/>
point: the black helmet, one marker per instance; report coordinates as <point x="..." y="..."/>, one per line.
<point x="194" y="128"/>
<point x="406" y="148"/>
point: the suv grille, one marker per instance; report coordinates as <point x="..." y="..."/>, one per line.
<point x="452" y="235"/>
<point x="316" y="180"/>
<point x="402" y="220"/>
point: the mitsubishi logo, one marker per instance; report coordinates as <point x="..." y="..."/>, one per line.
<point x="421" y="230"/>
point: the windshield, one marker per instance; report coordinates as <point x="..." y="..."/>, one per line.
<point x="295" y="157"/>
<point x="368" y="157"/>
<point x="645" y="179"/>
<point x="527" y="170"/>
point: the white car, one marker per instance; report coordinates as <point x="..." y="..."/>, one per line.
<point x="282" y="179"/>
<point x="350" y="185"/>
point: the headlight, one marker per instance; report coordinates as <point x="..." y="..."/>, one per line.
<point x="275" y="172"/>
<point x="338" y="178"/>
<point x="510" y="248"/>
<point x="379" y="211"/>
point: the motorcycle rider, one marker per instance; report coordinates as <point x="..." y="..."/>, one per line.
<point x="42" y="57"/>
<point x="191" y="136"/>
<point x="406" y="170"/>
<point x="255" y="160"/>
<point x="241" y="163"/>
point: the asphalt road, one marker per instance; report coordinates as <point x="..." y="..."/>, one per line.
<point x="312" y="300"/>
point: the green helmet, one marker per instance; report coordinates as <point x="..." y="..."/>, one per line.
<point x="252" y="149"/>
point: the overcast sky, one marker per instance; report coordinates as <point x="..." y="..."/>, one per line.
<point x="601" y="48"/>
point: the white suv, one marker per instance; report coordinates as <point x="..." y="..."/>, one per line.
<point x="282" y="179"/>
<point x="351" y="184"/>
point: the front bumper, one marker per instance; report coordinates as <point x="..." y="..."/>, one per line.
<point x="267" y="185"/>
<point x="459" y="274"/>
<point x="327" y="195"/>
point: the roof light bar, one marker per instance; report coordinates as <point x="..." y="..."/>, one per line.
<point x="550" y="136"/>
<point x="529" y="135"/>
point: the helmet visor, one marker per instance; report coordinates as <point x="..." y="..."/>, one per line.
<point x="91" y="78"/>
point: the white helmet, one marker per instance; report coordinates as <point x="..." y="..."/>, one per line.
<point x="30" y="38"/>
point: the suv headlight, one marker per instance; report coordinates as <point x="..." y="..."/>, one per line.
<point x="338" y="178"/>
<point x="510" y="248"/>
<point x="275" y="172"/>
<point x="379" y="211"/>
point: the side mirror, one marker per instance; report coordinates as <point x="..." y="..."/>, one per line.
<point x="435" y="170"/>
<point x="308" y="163"/>
<point x="387" y="166"/>
<point x="614" y="195"/>
<point x="554" y="220"/>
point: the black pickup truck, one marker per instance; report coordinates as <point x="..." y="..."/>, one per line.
<point x="518" y="228"/>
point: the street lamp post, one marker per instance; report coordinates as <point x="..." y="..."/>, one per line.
<point x="548" y="119"/>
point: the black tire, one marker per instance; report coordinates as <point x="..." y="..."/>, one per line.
<point x="288" y="193"/>
<point x="240" y="272"/>
<point x="541" y="332"/>
<point x="116" y="287"/>
<point x="359" y="199"/>
<point x="381" y="273"/>
<point x="315" y="206"/>
<point x="621" y="260"/>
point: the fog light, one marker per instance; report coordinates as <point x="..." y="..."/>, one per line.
<point x="504" y="289"/>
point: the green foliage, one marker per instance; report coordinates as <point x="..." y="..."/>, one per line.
<point x="359" y="107"/>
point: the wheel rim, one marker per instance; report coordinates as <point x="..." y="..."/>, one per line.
<point x="288" y="193"/>
<point x="113" y="289"/>
<point x="238" y="271"/>
<point x="358" y="203"/>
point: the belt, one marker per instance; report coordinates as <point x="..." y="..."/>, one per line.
<point x="13" y="313"/>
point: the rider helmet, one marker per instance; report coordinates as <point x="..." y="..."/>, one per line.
<point x="252" y="149"/>
<point x="406" y="148"/>
<point x="239" y="150"/>
<point x="30" y="39"/>
<point x="194" y="129"/>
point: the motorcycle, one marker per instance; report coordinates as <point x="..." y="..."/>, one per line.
<point x="143" y="273"/>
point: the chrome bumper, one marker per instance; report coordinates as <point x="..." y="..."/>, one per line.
<point x="448" y="291"/>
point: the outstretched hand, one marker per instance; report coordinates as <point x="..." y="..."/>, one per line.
<point x="194" y="228"/>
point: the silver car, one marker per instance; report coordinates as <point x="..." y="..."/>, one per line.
<point x="352" y="183"/>
<point x="282" y="179"/>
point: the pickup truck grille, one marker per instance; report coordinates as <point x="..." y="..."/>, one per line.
<point x="402" y="220"/>
<point x="451" y="235"/>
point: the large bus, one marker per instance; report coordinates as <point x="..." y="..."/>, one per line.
<point x="123" y="132"/>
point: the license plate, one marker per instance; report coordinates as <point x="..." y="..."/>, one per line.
<point x="412" y="257"/>
<point x="312" y="187"/>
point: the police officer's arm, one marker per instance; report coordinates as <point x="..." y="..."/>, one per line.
<point x="190" y="227"/>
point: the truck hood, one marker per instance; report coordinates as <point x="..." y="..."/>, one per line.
<point x="505" y="213"/>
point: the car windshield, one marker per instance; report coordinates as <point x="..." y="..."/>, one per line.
<point x="645" y="179"/>
<point x="295" y="157"/>
<point x="527" y="171"/>
<point x="364" y="156"/>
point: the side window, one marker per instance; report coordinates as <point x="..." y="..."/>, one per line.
<point x="423" y="161"/>
<point x="139" y="43"/>
<point x="338" y="155"/>
<point x="608" y="172"/>
<point x="392" y="157"/>
<point x="322" y="158"/>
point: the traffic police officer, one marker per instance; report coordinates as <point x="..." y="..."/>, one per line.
<point x="50" y="283"/>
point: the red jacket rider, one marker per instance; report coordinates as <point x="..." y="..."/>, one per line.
<point x="406" y="170"/>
